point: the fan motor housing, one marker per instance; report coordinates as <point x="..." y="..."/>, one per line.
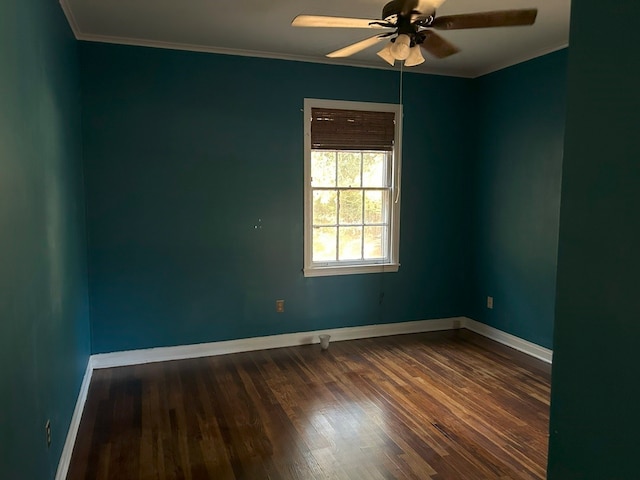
<point x="398" y="8"/>
<point x="392" y="9"/>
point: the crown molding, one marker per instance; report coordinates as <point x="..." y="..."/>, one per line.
<point x="73" y="23"/>
<point x="141" y="42"/>
<point x="525" y="58"/>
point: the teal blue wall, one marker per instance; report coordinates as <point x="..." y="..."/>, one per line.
<point x="183" y="156"/>
<point x="184" y="152"/>
<point x="44" y="329"/>
<point x="595" y="420"/>
<point x="516" y="181"/>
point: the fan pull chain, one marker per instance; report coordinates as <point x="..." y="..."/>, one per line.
<point x="401" y="71"/>
<point x="400" y="129"/>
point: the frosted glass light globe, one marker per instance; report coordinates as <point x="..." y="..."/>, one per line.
<point x="415" y="57"/>
<point x="401" y="47"/>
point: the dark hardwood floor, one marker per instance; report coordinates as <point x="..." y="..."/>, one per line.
<point x="446" y="405"/>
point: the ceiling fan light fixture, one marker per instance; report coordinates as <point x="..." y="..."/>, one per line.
<point x="387" y="55"/>
<point x="415" y="57"/>
<point x="401" y="48"/>
<point x="414" y="23"/>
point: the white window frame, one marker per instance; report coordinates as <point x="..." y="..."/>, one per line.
<point x="392" y="264"/>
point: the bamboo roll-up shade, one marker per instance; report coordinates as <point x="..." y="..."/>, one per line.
<point x="333" y="129"/>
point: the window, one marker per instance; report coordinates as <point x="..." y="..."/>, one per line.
<point x="352" y="180"/>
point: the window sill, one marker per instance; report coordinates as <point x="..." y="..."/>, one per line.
<point x="350" y="270"/>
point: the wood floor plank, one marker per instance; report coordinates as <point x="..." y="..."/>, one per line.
<point x="445" y="405"/>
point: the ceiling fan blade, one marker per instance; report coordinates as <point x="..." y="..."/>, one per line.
<point x="336" y="22"/>
<point x="355" y="47"/>
<point x="502" y="18"/>
<point x="438" y="46"/>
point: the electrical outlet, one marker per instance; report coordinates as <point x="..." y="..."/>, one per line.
<point x="47" y="429"/>
<point x="280" y="306"/>
<point x="489" y="302"/>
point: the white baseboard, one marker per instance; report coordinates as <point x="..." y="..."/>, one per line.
<point x="512" y="341"/>
<point x="163" y="354"/>
<point x="67" y="450"/>
<point x="150" y="355"/>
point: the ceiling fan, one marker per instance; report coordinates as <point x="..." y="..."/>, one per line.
<point x="410" y="25"/>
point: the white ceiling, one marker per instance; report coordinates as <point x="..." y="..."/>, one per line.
<point x="262" y="28"/>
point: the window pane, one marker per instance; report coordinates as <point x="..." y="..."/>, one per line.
<point x="325" y="207"/>
<point x="374" y="169"/>
<point x="351" y="207"/>
<point x="374" y="206"/>
<point x="352" y="175"/>
<point x="350" y="243"/>
<point x="349" y="169"/>
<point x="373" y="242"/>
<point x="323" y="168"/>
<point x="324" y="244"/>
